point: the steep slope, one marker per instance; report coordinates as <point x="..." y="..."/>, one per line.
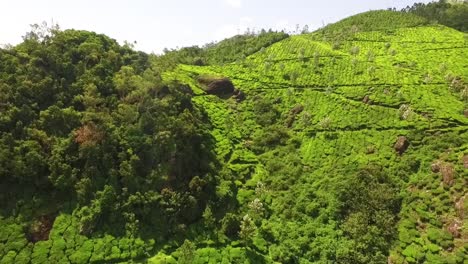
<point x="346" y="145"/>
<point x="98" y="157"/>
<point x="332" y="153"/>
<point x="226" y="51"/>
<point x="451" y="13"/>
<point x="379" y="20"/>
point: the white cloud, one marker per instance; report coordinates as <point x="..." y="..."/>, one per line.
<point x="229" y="30"/>
<point x="225" y="31"/>
<point x="246" y="20"/>
<point x="234" y="3"/>
<point x="283" y="24"/>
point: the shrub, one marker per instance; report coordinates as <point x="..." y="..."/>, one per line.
<point x="414" y="251"/>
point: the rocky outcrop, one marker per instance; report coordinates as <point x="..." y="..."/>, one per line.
<point x="221" y="87"/>
<point x="40" y="228"/>
<point x="401" y="145"/>
<point x="238" y="95"/>
<point x="217" y="86"/>
<point x="367" y="100"/>
<point x="435" y="166"/>
<point x="448" y="173"/>
<point x="297" y="110"/>
<point x="293" y="113"/>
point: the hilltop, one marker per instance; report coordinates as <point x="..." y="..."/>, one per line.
<point x="344" y="145"/>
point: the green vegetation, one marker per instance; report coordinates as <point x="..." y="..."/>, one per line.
<point x="344" y="145"/>
<point x="229" y="50"/>
<point x="449" y="13"/>
<point x="387" y="20"/>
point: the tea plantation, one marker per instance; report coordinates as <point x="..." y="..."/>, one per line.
<point x="345" y="145"/>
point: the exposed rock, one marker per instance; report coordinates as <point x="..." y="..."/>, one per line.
<point x="186" y="89"/>
<point x="365" y="99"/>
<point x="40" y="229"/>
<point x="455" y="228"/>
<point x="401" y="145"/>
<point x="163" y="92"/>
<point x="297" y="109"/>
<point x="217" y="86"/>
<point x="435" y="167"/>
<point x="460" y="207"/>
<point x="293" y="113"/>
<point x="448" y="173"/>
<point x="238" y="95"/>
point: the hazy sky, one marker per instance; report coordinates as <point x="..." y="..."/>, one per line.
<point x="159" y="24"/>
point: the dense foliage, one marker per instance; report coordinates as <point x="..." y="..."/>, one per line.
<point x="345" y="145"/>
<point x="88" y="128"/>
<point x="225" y="51"/>
<point x="376" y="21"/>
<point x="450" y="13"/>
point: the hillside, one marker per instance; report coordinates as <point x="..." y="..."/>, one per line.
<point x="345" y="145"/>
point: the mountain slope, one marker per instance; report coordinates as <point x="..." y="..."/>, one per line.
<point x="320" y="117"/>
<point x="345" y="145"/>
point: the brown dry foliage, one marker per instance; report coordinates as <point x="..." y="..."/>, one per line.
<point x="460" y="207"/>
<point x="366" y="99"/>
<point x="435" y="166"/>
<point x="40" y="228"/>
<point x="88" y="135"/>
<point x="401" y="145"/>
<point x="454" y="227"/>
<point x="448" y="173"/>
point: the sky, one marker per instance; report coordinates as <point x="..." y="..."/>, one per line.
<point x="158" y="24"/>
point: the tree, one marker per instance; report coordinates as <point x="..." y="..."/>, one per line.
<point x="126" y="81"/>
<point x="371" y="71"/>
<point x="406" y="112"/>
<point x="302" y="55"/>
<point x="370" y="56"/>
<point x="247" y="229"/>
<point x="369" y="205"/>
<point x="208" y="218"/>
<point x="293" y="76"/>
<point x="325" y="123"/>
<point x="187" y="252"/>
<point x="267" y="67"/>
<point x="450" y="14"/>
<point x="41" y="32"/>
<point x="354" y="50"/>
<point x="256" y="208"/>
<point x="316" y="59"/>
